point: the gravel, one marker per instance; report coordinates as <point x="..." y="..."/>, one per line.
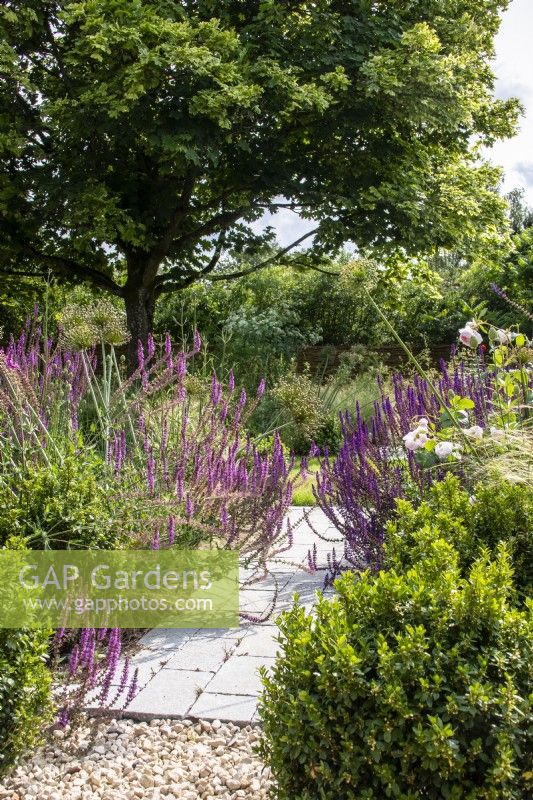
<point x="125" y="759"/>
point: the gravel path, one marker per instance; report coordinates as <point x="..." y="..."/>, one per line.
<point x="207" y="675"/>
<point x="125" y="759"/>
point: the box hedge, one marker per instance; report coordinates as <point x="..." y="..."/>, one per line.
<point x="409" y="685"/>
<point x="25" y="705"/>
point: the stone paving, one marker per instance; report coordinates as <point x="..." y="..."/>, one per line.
<point x="213" y="674"/>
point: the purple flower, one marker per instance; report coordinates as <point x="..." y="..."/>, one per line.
<point x="150" y="472"/>
<point x="261" y="388"/>
<point x="140" y="355"/>
<point x="197" y="343"/>
<point x="216" y="391"/>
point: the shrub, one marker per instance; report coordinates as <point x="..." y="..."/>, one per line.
<point x="411" y="686"/>
<point x="58" y="506"/>
<point x="300" y="411"/>
<point x="505" y="511"/>
<point x="24" y="692"/>
<point x="494" y="513"/>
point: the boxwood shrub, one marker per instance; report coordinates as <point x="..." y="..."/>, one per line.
<point x="25" y="704"/>
<point x="491" y="514"/>
<point x="410" y="685"/>
<point x="60" y="506"/>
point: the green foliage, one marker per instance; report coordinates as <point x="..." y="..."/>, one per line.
<point x="407" y="685"/>
<point x="267" y="317"/>
<point x="300" y="411"/>
<point x="86" y="324"/>
<point x="25" y="704"/>
<point x="25" y="686"/>
<point x="504" y="512"/>
<point x="138" y="140"/>
<point x="303" y="493"/>
<point x="60" y="505"/>
<point x="494" y="513"/>
<point x="513" y="272"/>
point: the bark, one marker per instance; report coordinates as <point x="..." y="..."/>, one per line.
<point x="139" y="302"/>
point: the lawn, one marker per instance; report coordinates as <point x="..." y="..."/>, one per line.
<point x="303" y="494"/>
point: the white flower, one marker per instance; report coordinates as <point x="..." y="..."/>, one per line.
<point x="502" y="336"/>
<point x="470" y="337"/>
<point x="475" y="432"/>
<point x="416" y="439"/>
<point x="457" y="452"/>
<point x="444" y="449"/>
<point x="423" y="423"/>
<point x="496" y="433"/>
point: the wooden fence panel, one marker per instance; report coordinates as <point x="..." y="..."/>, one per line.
<point x="393" y="356"/>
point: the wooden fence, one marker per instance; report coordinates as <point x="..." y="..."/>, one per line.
<point x="327" y="357"/>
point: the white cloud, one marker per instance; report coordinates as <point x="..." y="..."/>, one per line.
<point x="287" y="224"/>
<point x="513" y="67"/>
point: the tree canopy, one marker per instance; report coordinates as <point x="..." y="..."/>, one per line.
<point x="142" y="139"/>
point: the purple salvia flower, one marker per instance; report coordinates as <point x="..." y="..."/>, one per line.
<point x="314" y="450"/>
<point x="59" y="636"/>
<point x="124" y="677"/>
<point x="223" y="412"/>
<point x="150" y="471"/>
<point x="197" y="343"/>
<point x="179" y="484"/>
<point x="74" y="660"/>
<point x="133" y="687"/>
<point x="181" y="366"/>
<point x="224" y="517"/>
<point x="64" y="717"/>
<point x="140" y="355"/>
<point x="216" y="391"/>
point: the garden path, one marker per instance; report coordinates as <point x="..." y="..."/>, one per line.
<point x="213" y="673"/>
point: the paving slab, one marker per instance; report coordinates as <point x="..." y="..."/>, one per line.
<point x="271" y="582"/>
<point x="240" y="672"/>
<point x="257" y="602"/>
<point x="213" y="673"/>
<point x="235" y="707"/>
<point x="147" y="662"/>
<point x="202" y="653"/>
<point x="164" y="639"/>
<point x="170" y="694"/>
<point x="261" y="641"/>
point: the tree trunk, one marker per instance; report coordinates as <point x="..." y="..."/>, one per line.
<point x="140" y="306"/>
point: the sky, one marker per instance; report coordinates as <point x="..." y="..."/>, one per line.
<point x="513" y="68"/>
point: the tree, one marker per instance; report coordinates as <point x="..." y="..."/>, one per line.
<point x="520" y="215"/>
<point x="140" y="139"/>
